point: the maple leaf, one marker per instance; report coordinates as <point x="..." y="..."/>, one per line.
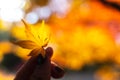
<point x="38" y="38"/>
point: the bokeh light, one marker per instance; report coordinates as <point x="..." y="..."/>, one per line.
<point x="9" y="8"/>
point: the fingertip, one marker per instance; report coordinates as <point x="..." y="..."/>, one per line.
<point x="49" y="52"/>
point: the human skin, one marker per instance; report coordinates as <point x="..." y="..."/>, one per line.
<point x="39" y="68"/>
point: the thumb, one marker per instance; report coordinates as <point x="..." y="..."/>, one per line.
<point x="56" y="71"/>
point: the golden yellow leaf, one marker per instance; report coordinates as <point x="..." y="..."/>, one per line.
<point x="38" y="38"/>
<point x="26" y="44"/>
<point x="39" y="34"/>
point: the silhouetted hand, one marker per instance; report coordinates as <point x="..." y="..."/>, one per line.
<point x="39" y="68"/>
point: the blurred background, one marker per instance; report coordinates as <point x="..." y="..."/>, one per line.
<point x="85" y="36"/>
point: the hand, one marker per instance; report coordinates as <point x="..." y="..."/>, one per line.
<point x="39" y="68"/>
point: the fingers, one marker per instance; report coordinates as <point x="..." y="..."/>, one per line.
<point x="45" y="61"/>
<point x="43" y="71"/>
<point x="40" y="68"/>
<point x="47" y="69"/>
<point x="27" y="69"/>
<point x="25" y="72"/>
<point x="56" y="71"/>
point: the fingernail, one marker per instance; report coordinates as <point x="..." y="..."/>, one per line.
<point x="58" y="69"/>
<point x="40" y="59"/>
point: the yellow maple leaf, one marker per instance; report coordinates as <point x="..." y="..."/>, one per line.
<point x="38" y="38"/>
